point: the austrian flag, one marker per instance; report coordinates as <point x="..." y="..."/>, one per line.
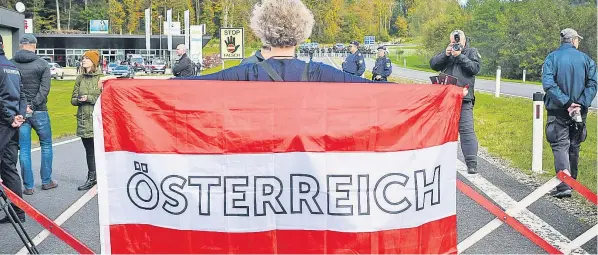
<point x="214" y="167"/>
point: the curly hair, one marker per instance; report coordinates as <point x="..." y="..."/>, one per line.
<point x="282" y="23"/>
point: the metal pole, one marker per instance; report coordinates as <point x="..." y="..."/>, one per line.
<point x="497" y="89"/>
<point x="161" y="36"/>
<point x="538" y="132"/>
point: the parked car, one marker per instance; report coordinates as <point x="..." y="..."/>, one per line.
<point x="123" y="72"/>
<point x="111" y="67"/>
<point x="157" y="66"/>
<point x="56" y="71"/>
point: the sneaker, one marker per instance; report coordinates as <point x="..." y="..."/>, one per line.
<point x="472" y="170"/>
<point x="28" y="192"/>
<point x="50" y="185"/>
<point x="561" y="194"/>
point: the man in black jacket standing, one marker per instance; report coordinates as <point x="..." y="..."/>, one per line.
<point x="185" y="67"/>
<point x="462" y="62"/>
<point x="12" y="110"/>
<point x="36" y="76"/>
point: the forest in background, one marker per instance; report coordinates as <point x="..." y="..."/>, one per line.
<point x="513" y="34"/>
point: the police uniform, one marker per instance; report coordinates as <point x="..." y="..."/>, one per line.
<point x="383" y="67"/>
<point x="354" y="63"/>
<point x="12" y="104"/>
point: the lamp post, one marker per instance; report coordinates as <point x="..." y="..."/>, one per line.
<point x="160" y="35"/>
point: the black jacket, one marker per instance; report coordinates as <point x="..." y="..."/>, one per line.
<point x="184" y="68"/>
<point x="258" y="57"/>
<point x="464" y="67"/>
<point x="36" y="77"/>
<point x="12" y="99"/>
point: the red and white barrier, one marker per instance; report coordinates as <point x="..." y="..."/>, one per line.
<point x="509" y="216"/>
<point x="47" y="223"/>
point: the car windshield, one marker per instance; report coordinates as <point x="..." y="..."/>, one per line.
<point x="121" y="68"/>
<point x="112" y="65"/>
<point x="138" y="60"/>
<point x="159" y="62"/>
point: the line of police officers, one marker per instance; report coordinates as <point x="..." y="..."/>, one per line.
<point x="355" y="63"/>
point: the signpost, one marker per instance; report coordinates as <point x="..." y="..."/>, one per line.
<point x="232" y="43"/>
<point x="196" y="43"/>
<point x="29" y="26"/>
<point x="369" y="40"/>
<point x="148" y="33"/>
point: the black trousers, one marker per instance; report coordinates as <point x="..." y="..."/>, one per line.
<point x="565" y="142"/>
<point x="9" y="149"/>
<point x="89" y="154"/>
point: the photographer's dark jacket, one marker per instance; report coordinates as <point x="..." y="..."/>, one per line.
<point x="12" y="98"/>
<point x="36" y="75"/>
<point x="464" y="67"/>
<point x="568" y="76"/>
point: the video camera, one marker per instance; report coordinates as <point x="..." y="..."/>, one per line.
<point x="457" y="44"/>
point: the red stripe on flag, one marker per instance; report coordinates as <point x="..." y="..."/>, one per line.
<point x="433" y="238"/>
<point x="217" y="117"/>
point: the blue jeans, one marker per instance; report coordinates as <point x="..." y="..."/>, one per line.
<point x="40" y="122"/>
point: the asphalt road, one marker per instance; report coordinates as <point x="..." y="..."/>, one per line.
<point x="70" y="171"/>
<point x="506" y="88"/>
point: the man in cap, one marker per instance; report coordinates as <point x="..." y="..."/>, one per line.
<point x="185" y="66"/>
<point x="36" y="76"/>
<point x="12" y="110"/>
<point x="383" y="67"/>
<point x="354" y="63"/>
<point x="569" y="80"/>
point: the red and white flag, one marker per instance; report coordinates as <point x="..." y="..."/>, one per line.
<point x="260" y="167"/>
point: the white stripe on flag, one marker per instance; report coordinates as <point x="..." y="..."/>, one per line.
<point x="400" y="196"/>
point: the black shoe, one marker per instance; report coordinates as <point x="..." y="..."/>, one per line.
<point x="561" y="194"/>
<point x="472" y="170"/>
<point x="5" y="220"/>
<point x="90" y="182"/>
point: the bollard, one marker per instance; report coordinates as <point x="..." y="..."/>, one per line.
<point x="538" y="132"/>
<point x="404" y="62"/>
<point x="497" y="89"/>
<point x="523" y="75"/>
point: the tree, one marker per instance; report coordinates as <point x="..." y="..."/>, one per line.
<point x="402" y="26"/>
<point x="132" y="10"/>
<point x="117" y="16"/>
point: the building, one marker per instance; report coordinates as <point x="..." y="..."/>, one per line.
<point x="11" y="28"/>
<point x="67" y="49"/>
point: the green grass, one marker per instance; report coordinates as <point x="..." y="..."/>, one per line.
<point x="504" y="126"/>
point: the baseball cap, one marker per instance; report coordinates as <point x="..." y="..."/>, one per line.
<point x="356" y="43"/>
<point x="28" y="39"/>
<point x="381" y="48"/>
<point x="569" y="33"/>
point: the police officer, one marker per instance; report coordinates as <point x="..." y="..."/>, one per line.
<point x="354" y="63"/>
<point x="569" y="80"/>
<point x="12" y="109"/>
<point x="383" y="67"/>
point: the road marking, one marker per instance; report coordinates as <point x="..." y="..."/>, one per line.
<point x="75" y="207"/>
<point x="58" y="144"/>
<point x="527" y="218"/>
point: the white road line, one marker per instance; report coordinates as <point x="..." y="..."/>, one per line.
<point x="332" y="62"/>
<point x="527" y="218"/>
<point x="64" y="216"/>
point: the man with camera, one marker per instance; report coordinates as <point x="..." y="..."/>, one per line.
<point x="569" y="80"/>
<point x="462" y="62"/>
